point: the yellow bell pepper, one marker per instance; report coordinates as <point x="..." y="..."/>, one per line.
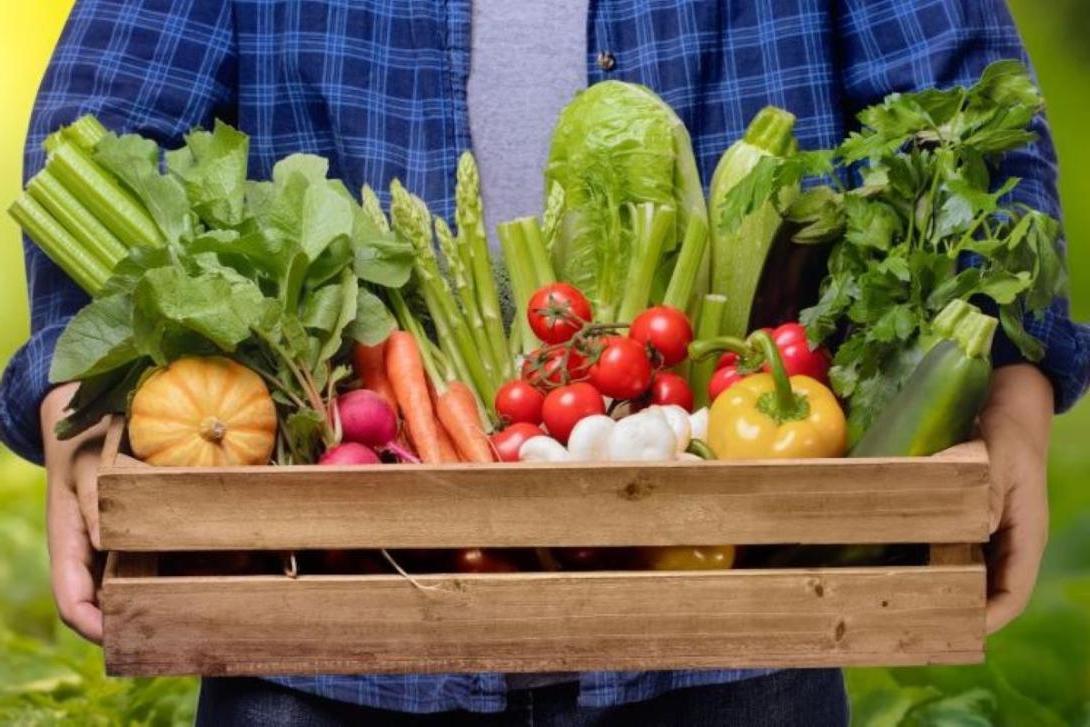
<point x="768" y="415"/>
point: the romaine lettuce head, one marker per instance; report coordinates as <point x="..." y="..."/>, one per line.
<point x="616" y="145"/>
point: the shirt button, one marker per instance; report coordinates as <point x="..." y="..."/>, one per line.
<point x="606" y="61"/>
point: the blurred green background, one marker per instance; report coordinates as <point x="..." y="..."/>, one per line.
<point x="1038" y="670"/>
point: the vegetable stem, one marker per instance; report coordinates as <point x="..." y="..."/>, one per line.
<point x="470" y="219"/>
<point x="652" y="224"/>
<point x="460" y="278"/>
<point x="680" y="290"/>
<point x="522" y="279"/>
<point x="62" y="248"/>
<point x="74" y="217"/>
<point x="711" y="318"/>
<point x="116" y="208"/>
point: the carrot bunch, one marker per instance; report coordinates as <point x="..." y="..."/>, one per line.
<point x="440" y="414"/>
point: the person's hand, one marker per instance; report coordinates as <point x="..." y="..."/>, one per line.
<point x="1015" y="423"/>
<point x="72" y="516"/>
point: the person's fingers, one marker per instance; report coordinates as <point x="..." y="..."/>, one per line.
<point x="1013" y="570"/>
<point x="71" y="559"/>
<point x="85" y="473"/>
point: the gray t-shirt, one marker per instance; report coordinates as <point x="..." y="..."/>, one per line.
<point x="527" y="60"/>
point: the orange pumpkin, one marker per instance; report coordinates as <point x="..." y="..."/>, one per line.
<point x="203" y="412"/>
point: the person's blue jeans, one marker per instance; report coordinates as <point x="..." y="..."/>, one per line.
<point x="802" y="698"/>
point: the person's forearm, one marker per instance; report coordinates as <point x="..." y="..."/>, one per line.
<point x="1021" y="404"/>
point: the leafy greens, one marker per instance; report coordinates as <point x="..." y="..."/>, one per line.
<point x="924" y="224"/>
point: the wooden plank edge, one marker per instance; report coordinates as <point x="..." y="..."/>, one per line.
<point x="137" y="668"/>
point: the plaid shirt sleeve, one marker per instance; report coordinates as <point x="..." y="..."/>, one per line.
<point x="892" y="45"/>
<point x="154" y="68"/>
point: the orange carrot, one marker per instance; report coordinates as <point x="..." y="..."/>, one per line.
<point x="369" y="362"/>
<point x="446" y="445"/>
<point x="405" y="370"/>
<point x="458" y="413"/>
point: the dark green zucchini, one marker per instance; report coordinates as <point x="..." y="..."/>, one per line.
<point x="939" y="403"/>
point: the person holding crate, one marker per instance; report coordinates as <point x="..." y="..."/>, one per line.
<point x="399" y="89"/>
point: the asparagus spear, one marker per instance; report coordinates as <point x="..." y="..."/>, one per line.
<point x="412" y="221"/>
<point x="470" y="219"/>
<point x="460" y="277"/>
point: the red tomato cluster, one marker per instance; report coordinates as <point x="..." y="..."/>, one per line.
<point x="581" y="365"/>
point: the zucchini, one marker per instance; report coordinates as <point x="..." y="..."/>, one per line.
<point x="942" y="397"/>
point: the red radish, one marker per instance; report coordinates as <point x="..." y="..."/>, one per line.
<point x="368" y="419"/>
<point x="349" y="453"/>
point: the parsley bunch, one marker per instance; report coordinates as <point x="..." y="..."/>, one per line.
<point x="922" y="222"/>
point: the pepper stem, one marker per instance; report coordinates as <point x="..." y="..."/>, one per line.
<point x="702" y="349"/>
<point x="786" y="404"/>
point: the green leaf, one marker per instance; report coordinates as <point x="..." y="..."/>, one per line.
<point x="348" y="296"/>
<point x="212" y="169"/>
<point x="322" y="308"/>
<point x="1005" y="83"/>
<point x="871" y="224"/>
<point x="98" y="339"/>
<point x="381" y="258"/>
<point x="1004" y="287"/>
<point x="135" y="161"/>
<point x="1010" y="317"/>
<point x="373" y="323"/>
<point x="220" y="310"/>
<point x="99" y="396"/>
<point x="302" y="430"/>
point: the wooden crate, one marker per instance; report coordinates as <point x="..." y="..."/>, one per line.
<point x="276" y="624"/>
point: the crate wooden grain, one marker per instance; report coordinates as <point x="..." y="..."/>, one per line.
<point x="266" y="624"/>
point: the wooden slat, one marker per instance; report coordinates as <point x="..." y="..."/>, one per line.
<point x="921" y="500"/>
<point x="544" y="622"/>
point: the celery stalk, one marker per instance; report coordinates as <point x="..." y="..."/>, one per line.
<point x="709" y="325"/>
<point x="534" y="245"/>
<point x="680" y="290"/>
<point x="74" y="217"/>
<point x="85" y="132"/>
<point x="523" y="278"/>
<point x="470" y="219"/>
<point x="101" y="194"/>
<point x="62" y="248"/>
<point x="652" y="225"/>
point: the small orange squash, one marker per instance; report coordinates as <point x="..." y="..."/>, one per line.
<point x="203" y="412"/>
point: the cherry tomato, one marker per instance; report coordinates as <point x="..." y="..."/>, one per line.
<point x="722" y="380"/>
<point x="622" y="370"/>
<point x="508" y="442"/>
<point x="519" y="401"/>
<point x="567" y="405"/>
<point x="483" y="560"/>
<point x="666" y="330"/>
<point x="688" y="557"/>
<point x="557" y="311"/>
<point x="798" y="358"/>
<point x="545" y="367"/>
<point x="669" y="388"/>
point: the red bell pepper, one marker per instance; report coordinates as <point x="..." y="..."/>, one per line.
<point x="740" y="359"/>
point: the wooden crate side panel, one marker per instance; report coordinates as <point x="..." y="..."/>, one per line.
<point x="545" y="622"/>
<point x="933" y="500"/>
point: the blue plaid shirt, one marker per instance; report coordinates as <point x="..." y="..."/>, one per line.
<point x="379" y="87"/>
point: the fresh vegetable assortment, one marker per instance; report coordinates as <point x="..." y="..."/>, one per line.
<point x="292" y="321"/>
